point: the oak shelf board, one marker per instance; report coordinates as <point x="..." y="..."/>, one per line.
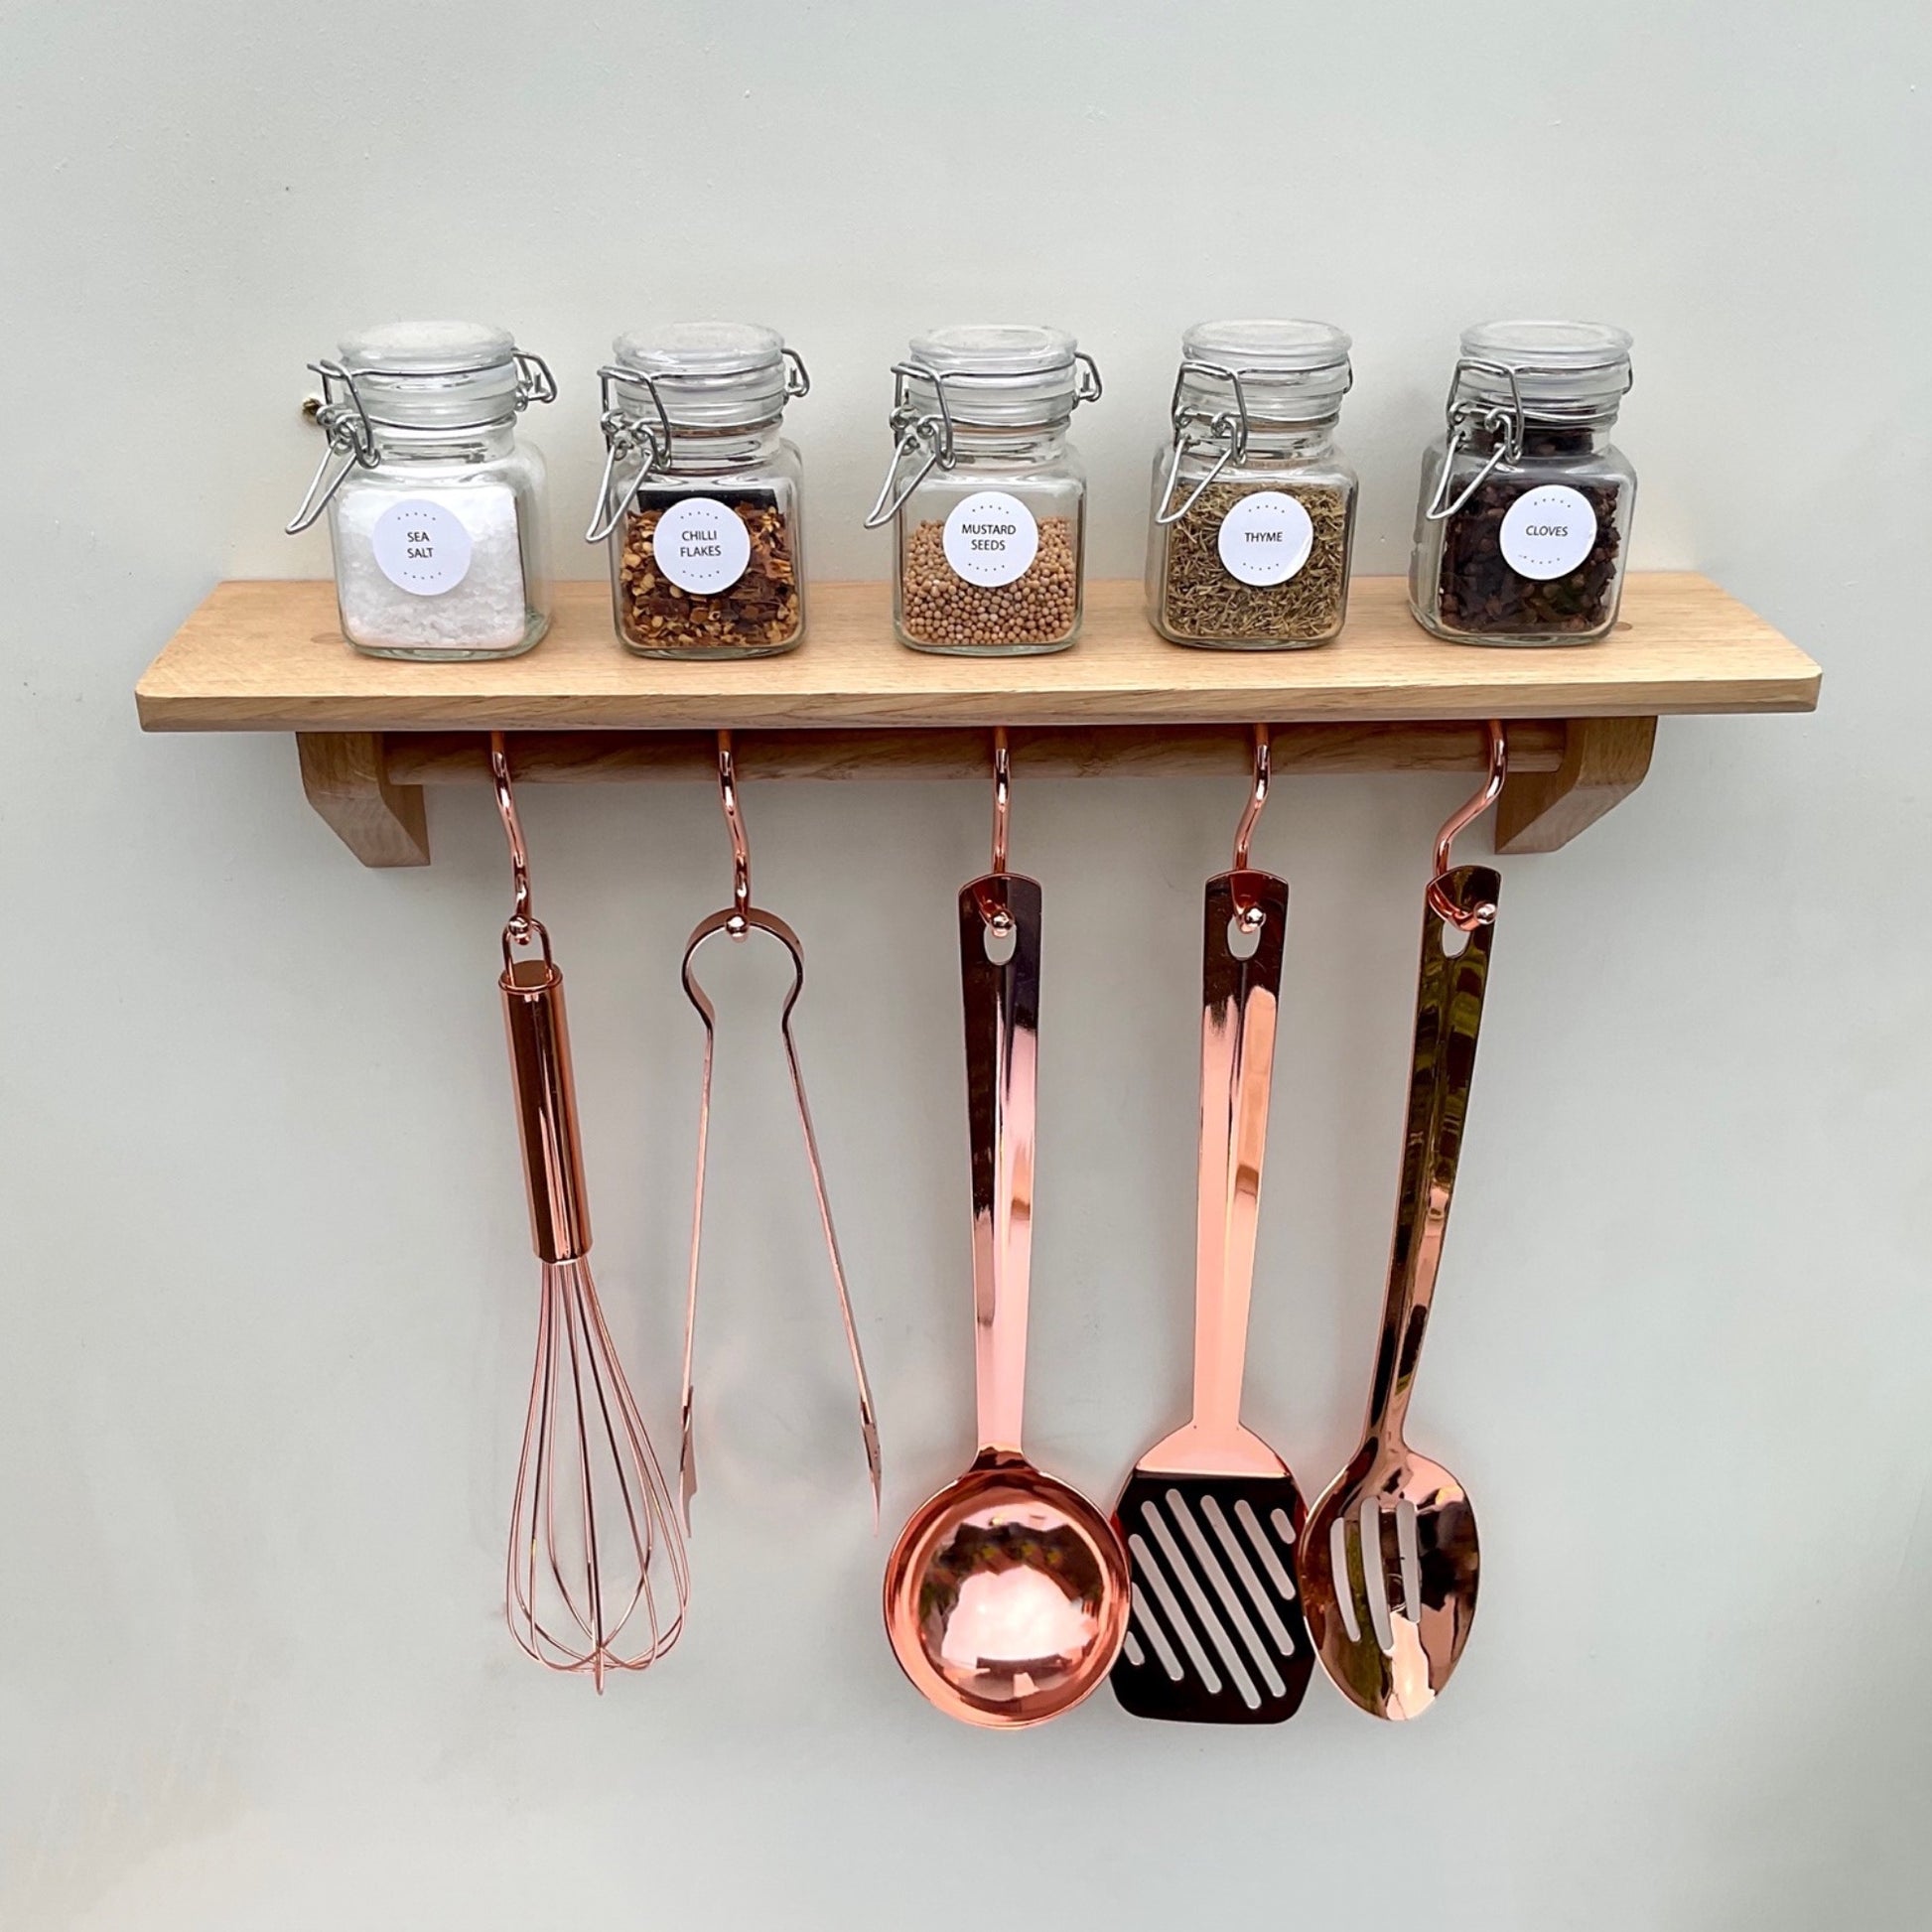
<point x="267" y="655"/>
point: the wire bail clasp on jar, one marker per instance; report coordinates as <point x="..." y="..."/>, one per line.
<point x="344" y="422"/>
<point x="1228" y="427"/>
<point x="627" y="435"/>
<point x="350" y="441"/>
<point x="917" y="429"/>
<point x="1504" y="421"/>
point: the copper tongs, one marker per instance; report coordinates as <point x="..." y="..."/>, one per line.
<point x="738" y="921"/>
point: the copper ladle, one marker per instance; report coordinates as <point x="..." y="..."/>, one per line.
<point x="1388" y="1558"/>
<point x="1006" y="1594"/>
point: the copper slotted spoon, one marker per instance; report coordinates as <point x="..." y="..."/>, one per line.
<point x="1389" y="1560"/>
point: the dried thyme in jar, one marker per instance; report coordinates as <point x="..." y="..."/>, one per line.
<point x="1524" y="517"/>
<point x="1254" y="509"/>
<point x="701" y="492"/>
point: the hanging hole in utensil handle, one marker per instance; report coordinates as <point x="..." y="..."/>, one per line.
<point x="1001" y="937"/>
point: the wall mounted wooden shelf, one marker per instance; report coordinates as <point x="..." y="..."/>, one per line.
<point x="851" y="703"/>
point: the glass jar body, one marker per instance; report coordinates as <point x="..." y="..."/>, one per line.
<point x="1536" y="554"/>
<point x="990" y="557"/>
<point x="438" y="547"/>
<point x="1219" y="577"/>
<point x="725" y="577"/>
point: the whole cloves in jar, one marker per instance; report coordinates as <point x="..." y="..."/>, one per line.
<point x="987" y="495"/>
<point x="1254" y="509"/>
<point x="1523" y="525"/>
<point x="435" y="503"/>
<point x="700" y="496"/>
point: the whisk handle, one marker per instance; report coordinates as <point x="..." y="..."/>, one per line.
<point x="546" y="1109"/>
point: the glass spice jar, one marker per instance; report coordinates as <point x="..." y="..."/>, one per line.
<point x="1254" y="510"/>
<point x="1524" y="518"/>
<point x="700" y="496"/>
<point x="991" y="521"/>
<point x="435" y="505"/>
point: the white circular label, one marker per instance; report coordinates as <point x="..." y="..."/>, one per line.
<point x="991" y="538"/>
<point x="701" y="545"/>
<point x="1266" y="537"/>
<point x="1547" y="532"/>
<point x="421" y="547"/>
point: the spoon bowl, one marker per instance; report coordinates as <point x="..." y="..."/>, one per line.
<point x="1389" y="1566"/>
<point x="1006" y="1596"/>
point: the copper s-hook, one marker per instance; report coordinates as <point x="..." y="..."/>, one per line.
<point x="1001" y="796"/>
<point x="1465" y="918"/>
<point x="999" y="921"/>
<point x="738" y="926"/>
<point x="1245" y="831"/>
<point x="523" y="927"/>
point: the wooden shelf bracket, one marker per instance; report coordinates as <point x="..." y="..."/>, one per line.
<point x="344" y="775"/>
<point x="1604" y="760"/>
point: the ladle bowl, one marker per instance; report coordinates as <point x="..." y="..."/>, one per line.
<point x="1006" y="1596"/>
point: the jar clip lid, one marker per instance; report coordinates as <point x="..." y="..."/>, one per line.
<point x="628" y="433"/>
<point x="1503" y="417"/>
<point x="916" y="427"/>
<point x="344" y="417"/>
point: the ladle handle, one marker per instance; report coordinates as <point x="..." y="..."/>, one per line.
<point x="1002" y="1006"/>
<point x="1239" y="1001"/>
<point x="1449" y="1015"/>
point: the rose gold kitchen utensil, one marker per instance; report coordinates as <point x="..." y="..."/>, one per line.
<point x="738" y="921"/>
<point x="596" y="1579"/>
<point x="1006" y="1594"/>
<point x="1389" y="1554"/>
<point x="1210" y="1514"/>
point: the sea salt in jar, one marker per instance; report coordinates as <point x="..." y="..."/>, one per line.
<point x="434" y="502"/>
<point x="1254" y="510"/>
<point x="1524" y="520"/>
<point x="700" y="496"/>
<point x="988" y="496"/>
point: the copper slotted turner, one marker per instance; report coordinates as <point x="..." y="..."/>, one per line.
<point x="1389" y="1555"/>
<point x="1210" y="1515"/>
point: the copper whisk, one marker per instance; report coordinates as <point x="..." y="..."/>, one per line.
<point x="596" y="1578"/>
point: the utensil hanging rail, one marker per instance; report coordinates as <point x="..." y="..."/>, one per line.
<point x="1565" y="772"/>
<point x="1384" y="697"/>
